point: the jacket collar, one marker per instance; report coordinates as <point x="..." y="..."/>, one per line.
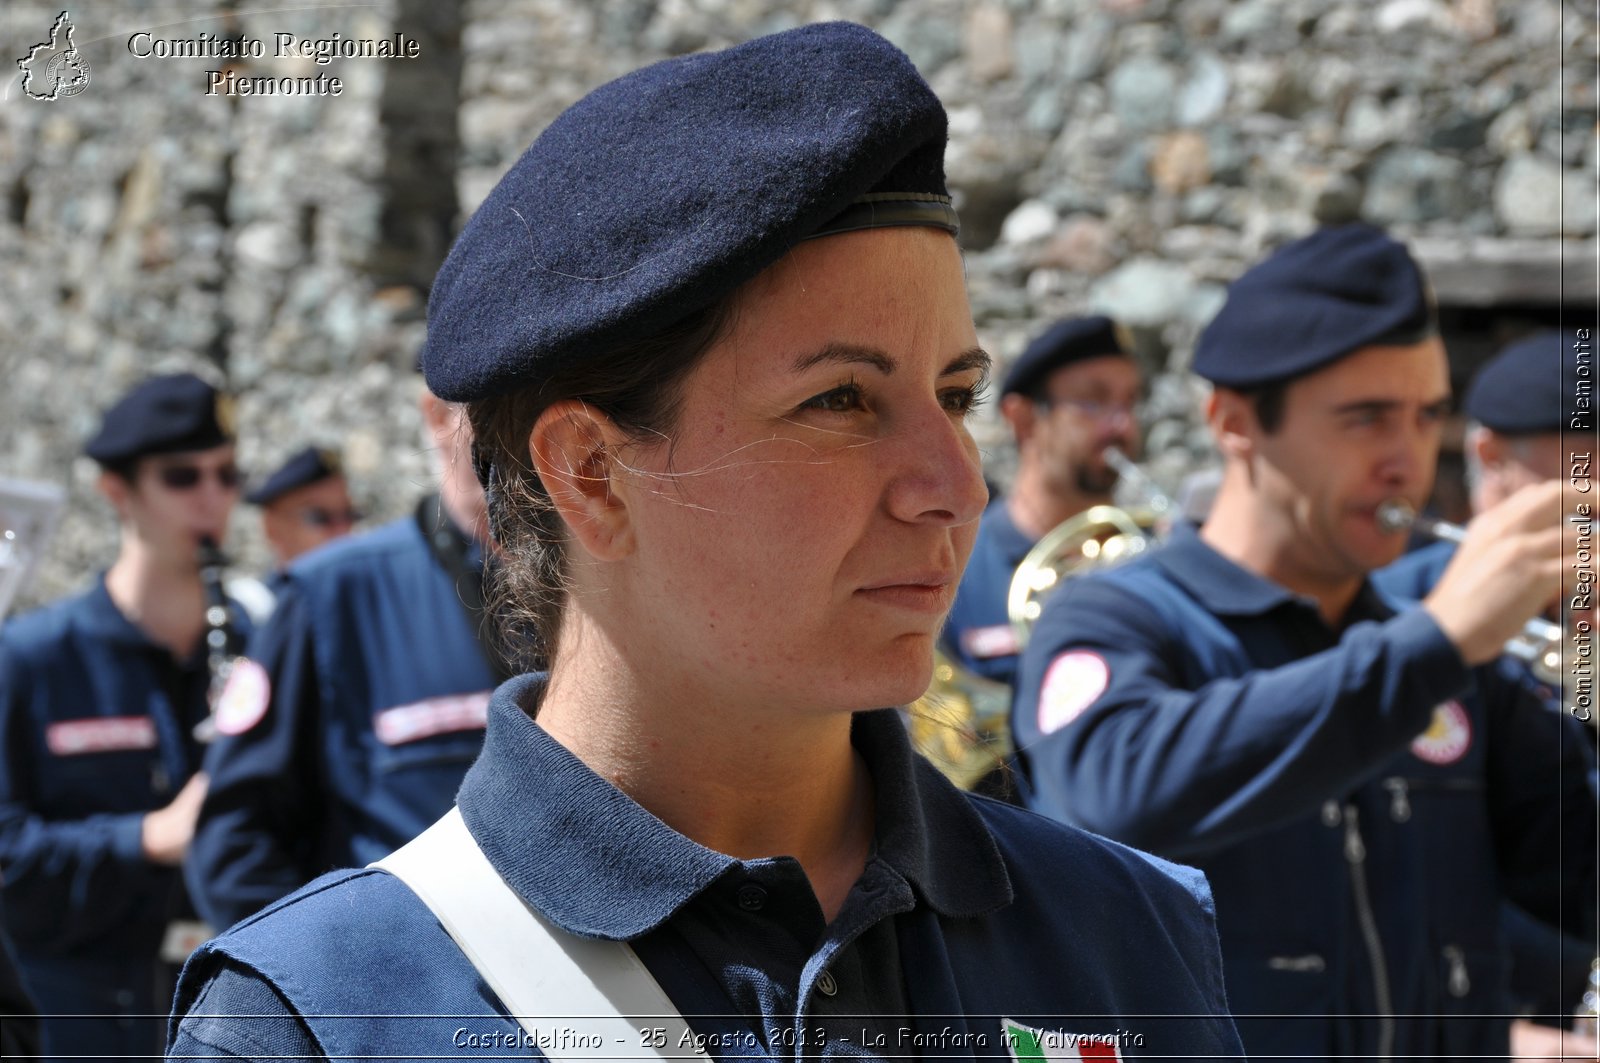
<point x="1228" y="589"/>
<point x="596" y="863"/>
<point x="97" y="615"/>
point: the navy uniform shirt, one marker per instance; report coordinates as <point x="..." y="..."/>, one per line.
<point x="96" y="729"/>
<point x="1360" y="800"/>
<point x="978" y="633"/>
<point x="1413" y="577"/>
<point x="19" y="1032"/>
<point x="350" y="727"/>
<point x="969" y="913"/>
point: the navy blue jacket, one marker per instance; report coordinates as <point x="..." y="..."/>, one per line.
<point x="1413" y="577"/>
<point x="96" y="729"/>
<point x="19" y="1015"/>
<point x="1360" y="801"/>
<point x="978" y="634"/>
<point x="1549" y="969"/>
<point x="371" y="711"/>
<point x="969" y="912"/>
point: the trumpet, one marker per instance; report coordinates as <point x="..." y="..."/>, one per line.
<point x="1539" y="643"/>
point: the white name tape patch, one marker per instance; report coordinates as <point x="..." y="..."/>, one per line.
<point x="1071" y="684"/>
<point x="995" y="640"/>
<point x="433" y="716"/>
<point x="100" y="734"/>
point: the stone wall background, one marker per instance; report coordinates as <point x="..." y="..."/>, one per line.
<point x="1127" y="156"/>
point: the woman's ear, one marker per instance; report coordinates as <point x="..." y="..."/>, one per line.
<point x="572" y="445"/>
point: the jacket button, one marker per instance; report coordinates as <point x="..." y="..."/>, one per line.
<point x="826" y="985"/>
<point x="752" y="898"/>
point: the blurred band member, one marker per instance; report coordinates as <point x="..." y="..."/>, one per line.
<point x="100" y="695"/>
<point x="304" y="504"/>
<point x="1525" y="426"/>
<point x="362" y="701"/>
<point x="1071" y="395"/>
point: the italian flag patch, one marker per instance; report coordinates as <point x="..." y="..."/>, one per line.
<point x="1028" y="1045"/>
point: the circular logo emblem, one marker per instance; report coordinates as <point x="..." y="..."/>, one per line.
<point x="1071" y="684"/>
<point x="244" y="699"/>
<point x="67" y="73"/>
<point x="1447" y="738"/>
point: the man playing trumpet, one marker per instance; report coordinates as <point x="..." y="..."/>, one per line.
<point x="1525" y="428"/>
<point x="1360" y="790"/>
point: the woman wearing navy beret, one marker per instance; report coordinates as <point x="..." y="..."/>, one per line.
<point x="713" y="339"/>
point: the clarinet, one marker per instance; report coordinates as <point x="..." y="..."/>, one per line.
<point x="223" y="644"/>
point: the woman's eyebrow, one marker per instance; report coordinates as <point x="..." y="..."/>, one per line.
<point x="846" y="354"/>
<point x="971" y="358"/>
<point x="855" y="354"/>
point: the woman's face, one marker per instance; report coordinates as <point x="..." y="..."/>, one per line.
<point x="801" y="535"/>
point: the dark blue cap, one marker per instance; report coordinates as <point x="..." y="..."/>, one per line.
<point x="305" y="467"/>
<point x="1313" y="302"/>
<point x="1063" y="343"/>
<point x="162" y="415"/>
<point x="1539" y="384"/>
<point x="662" y="192"/>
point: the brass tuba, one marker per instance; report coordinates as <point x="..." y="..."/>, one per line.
<point x="963" y="723"/>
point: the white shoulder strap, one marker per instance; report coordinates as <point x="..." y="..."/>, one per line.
<point x="581" y="1000"/>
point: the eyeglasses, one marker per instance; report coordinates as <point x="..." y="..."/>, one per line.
<point x="317" y="517"/>
<point x="188" y="477"/>
<point x="1095" y="410"/>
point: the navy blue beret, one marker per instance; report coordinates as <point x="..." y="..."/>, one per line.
<point x="1311" y="303"/>
<point x="1535" y="385"/>
<point x="1063" y="343"/>
<point x="303" y="468"/>
<point x="663" y="191"/>
<point x="161" y="415"/>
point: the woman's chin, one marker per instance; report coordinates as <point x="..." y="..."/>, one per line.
<point x="894" y="680"/>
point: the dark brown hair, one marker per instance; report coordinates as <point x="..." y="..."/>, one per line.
<point x="640" y="388"/>
<point x="1269" y="402"/>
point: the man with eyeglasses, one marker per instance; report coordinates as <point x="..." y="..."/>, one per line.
<point x="1068" y="397"/>
<point x="100" y="698"/>
<point x="304" y="504"/>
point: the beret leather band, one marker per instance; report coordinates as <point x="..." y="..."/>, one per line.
<point x="884" y="210"/>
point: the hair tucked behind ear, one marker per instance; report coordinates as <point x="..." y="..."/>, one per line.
<point x="640" y="388"/>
